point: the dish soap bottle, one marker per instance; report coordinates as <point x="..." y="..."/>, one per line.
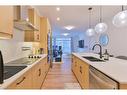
<point x="106" y="55"/>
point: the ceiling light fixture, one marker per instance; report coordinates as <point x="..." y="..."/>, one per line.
<point x="65" y="34"/>
<point x="101" y="27"/>
<point x="58" y="19"/>
<point x="57" y="8"/>
<point x="69" y="27"/>
<point x="90" y="32"/>
<point x="120" y="19"/>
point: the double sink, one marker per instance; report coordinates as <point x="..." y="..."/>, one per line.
<point x="93" y="59"/>
<point x="13" y="67"/>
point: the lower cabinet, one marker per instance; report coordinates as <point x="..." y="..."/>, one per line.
<point x="39" y="73"/>
<point x="37" y="76"/>
<point x="33" y="78"/>
<point x="81" y="71"/>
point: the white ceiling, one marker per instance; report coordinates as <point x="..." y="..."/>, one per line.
<point x="76" y="16"/>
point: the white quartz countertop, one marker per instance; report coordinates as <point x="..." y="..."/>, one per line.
<point x="8" y="81"/>
<point x="114" y="68"/>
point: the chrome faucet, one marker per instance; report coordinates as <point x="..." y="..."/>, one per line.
<point x="100" y="49"/>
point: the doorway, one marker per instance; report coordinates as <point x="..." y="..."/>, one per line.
<point x="63" y="45"/>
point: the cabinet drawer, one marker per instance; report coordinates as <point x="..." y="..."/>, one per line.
<point x="24" y="82"/>
<point x="6" y="22"/>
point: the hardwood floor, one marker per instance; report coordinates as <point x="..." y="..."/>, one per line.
<point x="61" y="77"/>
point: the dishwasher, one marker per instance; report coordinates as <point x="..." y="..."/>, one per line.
<point x="98" y="80"/>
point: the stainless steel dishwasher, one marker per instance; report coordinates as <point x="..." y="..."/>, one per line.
<point x="99" y="80"/>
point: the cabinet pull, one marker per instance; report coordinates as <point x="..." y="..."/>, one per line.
<point x="81" y="69"/>
<point x="39" y="72"/>
<point x="21" y="81"/>
<point x="38" y="37"/>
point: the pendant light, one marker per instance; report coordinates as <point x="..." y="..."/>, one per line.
<point x="90" y="32"/>
<point x="101" y="27"/>
<point x="120" y="19"/>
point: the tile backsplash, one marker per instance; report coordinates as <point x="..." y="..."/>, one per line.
<point x="12" y="48"/>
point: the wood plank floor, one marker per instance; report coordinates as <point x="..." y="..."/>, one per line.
<point x="61" y="77"/>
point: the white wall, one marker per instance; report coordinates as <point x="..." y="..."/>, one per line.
<point x="12" y="48"/>
<point x="88" y="42"/>
<point x="117" y="39"/>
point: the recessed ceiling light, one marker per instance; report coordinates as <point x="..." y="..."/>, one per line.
<point x="69" y="27"/>
<point x="65" y="34"/>
<point x="58" y="19"/>
<point x="58" y="8"/>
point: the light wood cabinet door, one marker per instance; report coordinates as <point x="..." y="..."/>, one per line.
<point x="37" y="36"/>
<point x="46" y="65"/>
<point x="81" y="71"/>
<point x="6" y="21"/>
<point x="75" y="66"/>
<point x="34" y="18"/>
<point x="23" y="82"/>
<point x="37" y="24"/>
<point x="45" y="29"/>
<point x="43" y="71"/>
<point x="72" y="63"/>
<point x="84" y="75"/>
<point x="37" y="73"/>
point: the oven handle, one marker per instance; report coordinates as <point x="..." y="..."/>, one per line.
<point x="104" y="83"/>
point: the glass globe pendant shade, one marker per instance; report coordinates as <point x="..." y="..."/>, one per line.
<point x="101" y="28"/>
<point x="90" y="32"/>
<point x="120" y="19"/>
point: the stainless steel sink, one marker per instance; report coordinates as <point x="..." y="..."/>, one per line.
<point x="93" y="59"/>
<point x="9" y="71"/>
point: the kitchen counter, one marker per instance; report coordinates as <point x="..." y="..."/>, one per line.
<point x="114" y="68"/>
<point x="16" y="76"/>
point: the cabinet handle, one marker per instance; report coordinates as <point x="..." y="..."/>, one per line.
<point x="39" y="72"/>
<point x="21" y="81"/>
<point x="38" y="37"/>
<point x="81" y="69"/>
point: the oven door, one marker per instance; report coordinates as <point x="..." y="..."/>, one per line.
<point x="100" y="81"/>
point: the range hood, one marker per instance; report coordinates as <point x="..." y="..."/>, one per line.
<point x="21" y="19"/>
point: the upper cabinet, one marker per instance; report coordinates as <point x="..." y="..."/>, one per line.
<point x="45" y="32"/>
<point x="6" y="22"/>
<point x="34" y="18"/>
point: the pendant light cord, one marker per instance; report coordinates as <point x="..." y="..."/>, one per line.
<point x="100" y="14"/>
<point x="122" y="8"/>
<point x="90" y="17"/>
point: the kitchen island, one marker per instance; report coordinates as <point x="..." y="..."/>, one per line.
<point x="114" y="68"/>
